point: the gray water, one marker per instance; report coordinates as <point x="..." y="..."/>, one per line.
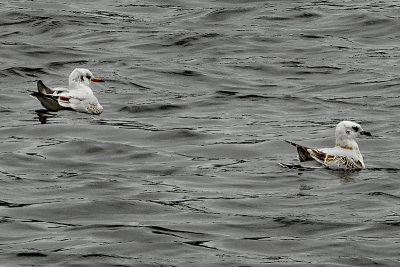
<point x="181" y="169"/>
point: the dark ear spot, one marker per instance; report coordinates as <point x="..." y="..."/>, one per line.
<point x="356" y="129"/>
<point x="82" y="78"/>
<point x="347" y="131"/>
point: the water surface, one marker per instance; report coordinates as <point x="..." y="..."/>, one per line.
<point x="182" y="166"/>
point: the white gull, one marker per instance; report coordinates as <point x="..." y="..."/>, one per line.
<point x="78" y="96"/>
<point x="344" y="156"/>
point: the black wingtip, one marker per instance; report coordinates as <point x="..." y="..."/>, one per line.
<point x="32" y="93"/>
<point x="293" y="144"/>
<point x="43" y="88"/>
<point x="39" y="84"/>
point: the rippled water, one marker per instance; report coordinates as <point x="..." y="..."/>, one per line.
<point x="182" y="166"/>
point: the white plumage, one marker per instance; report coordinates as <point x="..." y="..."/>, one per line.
<point x="344" y="156"/>
<point x="78" y="96"/>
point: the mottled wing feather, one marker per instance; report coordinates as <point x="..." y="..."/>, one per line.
<point x="317" y="155"/>
<point x="335" y="162"/>
<point x="326" y="159"/>
<point x="343" y="162"/>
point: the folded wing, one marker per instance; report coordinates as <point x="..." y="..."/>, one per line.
<point x="47" y="98"/>
<point x="324" y="157"/>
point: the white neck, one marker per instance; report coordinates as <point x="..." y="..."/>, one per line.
<point x="77" y="84"/>
<point x="347" y="143"/>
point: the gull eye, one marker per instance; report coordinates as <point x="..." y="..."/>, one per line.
<point x="356" y="129"/>
<point x="88" y="77"/>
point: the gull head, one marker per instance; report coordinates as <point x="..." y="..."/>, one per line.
<point x="347" y="132"/>
<point x="81" y="76"/>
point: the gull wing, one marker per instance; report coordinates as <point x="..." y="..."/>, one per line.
<point x="302" y="151"/>
<point x="336" y="161"/>
<point x="43" y="88"/>
<point x="77" y="103"/>
<point x="47" y="97"/>
<point x="50" y="102"/>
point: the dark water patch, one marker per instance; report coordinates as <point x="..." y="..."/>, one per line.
<point x="75" y="212"/>
<point x="359" y="25"/>
<point x="193" y="39"/>
<point x="31" y="254"/>
<point x="63" y="64"/>
<point x="12" y="205"/>
<point x="116" y="15"/>
<point x="292" y="16"/>
<point x="180" y="204"/>
<point x="18" y="17"/>
<point x="389" y="170"/>
<point x="37" y="25"/>
<point x="21" y="160"/>
<point x="289" y="221"/>
<point x="227" y="93"/>
<point x="160" y="171"/>
<point x="140" y="86"/>
<point x="45" y="25"/>
<point x="273" y="18"/>
<point x="392" y="222"/>
<point x="226" y="14"/>
<point x="253" y="96"/>
<point x="44" y="115"/>
<point x="5" y="110"/>
<point x="178" y="134"/>
<point x="350" y="100"/>
<point x="103" y="226"/>
<point x="317" y="70"/>
<point x="307" y="15"/>
<point x="92" y="151"/>
<point x="368" y="20"/>
<point x="41" y="53"/>
<point x="238" y="95"/>
<point x="361" y="261"/>
<point x="9" y="34"/>
<point x="152" y="108"/>
<point x="101" y="255"/>
<point x="221" y="151"/>
<point x="187" y="73"/>
<point x="118" y="84"/>
<point x="202" y="244"/>
<point x="23" y="72"/>
<point x="11" y="175"/>
<point x="35" y="154"/>
<point x="306" y="225"/>
<point x="311" y="36"/>
<point x="292" y="63"/>
<point x="187" y="41"/>
<point x="326" y="68"/>
<point x="128" y="124"/>
<point x="168" y="230"/>
<point x="50" y="224"/>
<point x="383" y="194"/>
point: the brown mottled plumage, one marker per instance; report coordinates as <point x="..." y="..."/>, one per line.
<point x="344" y="156"/>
